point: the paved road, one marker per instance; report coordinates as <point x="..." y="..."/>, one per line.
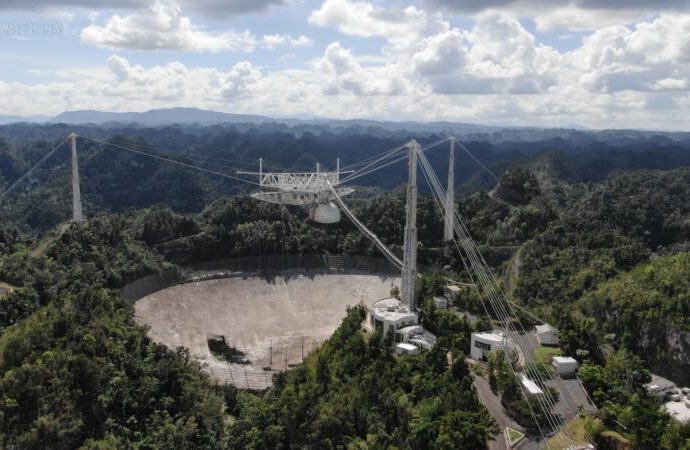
<point x="571" y="397"/>
<point x="493" y="405"/>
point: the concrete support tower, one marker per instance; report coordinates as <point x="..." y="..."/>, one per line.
<point x="409" y="269"/>
<point x="77" y="215"/>
<point x="450" y="195"/>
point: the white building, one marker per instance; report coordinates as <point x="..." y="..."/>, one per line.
<point x="404" y="348"/>
<point x="391" y="314"/>
<point x="484" y="343"/>
<point x="416" y="335"/>
<point x="547" y="335"/>
<point x="565" y="365"/>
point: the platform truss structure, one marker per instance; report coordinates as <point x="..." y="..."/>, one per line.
<point x="298" y="188"/>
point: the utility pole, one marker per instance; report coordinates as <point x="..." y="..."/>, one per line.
<point x="450" y="195"/>
<point x="409" y="269"/>
<point x="77" y="215"/>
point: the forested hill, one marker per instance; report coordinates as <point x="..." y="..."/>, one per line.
<point x="114" y="179"/>
<point x="595" y="241"/>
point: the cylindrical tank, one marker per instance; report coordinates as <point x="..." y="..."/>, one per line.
<point x="325" y="213"/>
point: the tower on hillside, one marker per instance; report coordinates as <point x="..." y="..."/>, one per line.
<point x="450" y="197"/>
<point x="409" y="269"/>
<point x="77" y="214"/>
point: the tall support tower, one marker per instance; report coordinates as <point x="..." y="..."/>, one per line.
<point x="450" y="197"/>
<point x="409" y="269"/>
<point x="77" y="215"/>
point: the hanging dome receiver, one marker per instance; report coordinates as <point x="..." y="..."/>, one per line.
<point x="324" y="213"/>
<point x="312" y="189"/>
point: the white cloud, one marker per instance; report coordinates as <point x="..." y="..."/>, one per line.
<point x="214" y="9"/>
<point x="346" y="74"/>
<point x="162" y="26"/>
<point x="360" y="18"/>
<point x="426" y="70"/>
<point x="570" y="15"/>
<point x="651" y="56"/>
<point x="272" y="41"/>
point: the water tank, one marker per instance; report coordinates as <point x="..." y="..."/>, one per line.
<point x="325" y="213"/>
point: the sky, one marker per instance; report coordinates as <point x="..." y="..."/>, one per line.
<point x="593" y="63"/>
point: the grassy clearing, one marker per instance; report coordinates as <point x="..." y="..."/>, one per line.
<point x="544" y="354"/>
<point x="576" y="428"/>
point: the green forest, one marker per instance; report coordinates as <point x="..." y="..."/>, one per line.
<point x="603" y="255"/>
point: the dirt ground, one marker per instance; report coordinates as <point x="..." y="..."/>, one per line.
<point x="265" y="318"/>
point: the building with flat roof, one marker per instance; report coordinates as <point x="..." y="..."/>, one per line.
<point x="391" y="314"/>
<point x="483" y="344"/>
<point x="565" y="366"/>
<point x="403" y="348"/>
<point x="547" y="335"/>
<point x="416" y="335"/>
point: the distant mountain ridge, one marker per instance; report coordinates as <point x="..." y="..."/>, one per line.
<point x="156" y="117"/>
<point x="195" y="118"/>
<point x="191" y="116"/>
<point x="22" y="119"/>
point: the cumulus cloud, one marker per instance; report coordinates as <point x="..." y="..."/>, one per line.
<point x="216" y="9"/>
<point x="479" y="5"/>
<point x="272" y="41"/>
<point x="651" y="56"/>
<point x="360" y="18"/>
<point x="426" y="70"/>
<point x="162" y="26"/>
<point x="346" y="74"/>
<point x="39" y="5"/>
<point x="572" y="15"/>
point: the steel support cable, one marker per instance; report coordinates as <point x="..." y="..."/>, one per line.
<point x="508" y="308"/>
<point x="476" y="284"/>
<point x="197" y="156"/>
<point x="499" y="305"/>
<point x="194" y="157"/>
<point x="551" y="423"/>
<point x="191" y="166"/>
<point x="16" y="182"/>
<point x="496" y="302"/>
<point x="366" y="231"/>
<point x="438" y="196"/>
<point x="500" y="309"/>
<point x="362" y="172"/>
<point x="466" y="150"/>
<point x="350" y="166"/>
<point x="378" y="155"/>
<point x="379" y="160"/>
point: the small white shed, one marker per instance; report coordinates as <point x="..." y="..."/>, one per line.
<point x="564" y="365"/>
<point x="547" y="335"/>
<point x="404" y="348"/>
